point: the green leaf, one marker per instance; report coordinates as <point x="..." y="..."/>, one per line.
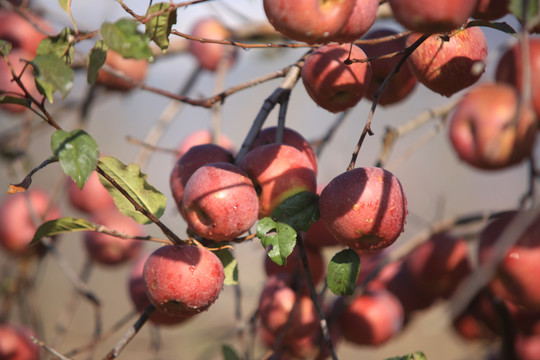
<point x="77" y="152"/>
<point x="280" y="236"/>
<point x="60" y="226"/>
<point x="229" y="353"/>
<point x="52" y="74"/>
<point x="96" y="59"/>
<point x="299" y="211"/>
<point x="15" y="100"/>
<point x="5" y="47"/>
<point x="124" y="38"/>
<point x="133" y="181"/>
<point x="60" y="45"/>
<point x="501" y="26"/>
<point x="417" y="355"/>
<point x="516" y="8"/>
<point x="230" y="264"/>
<point x="159" y="27"/>
<point x="65" y="4"/>
<point x="343" y="272"/>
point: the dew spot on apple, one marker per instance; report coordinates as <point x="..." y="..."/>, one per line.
<point x="355" y="207"/>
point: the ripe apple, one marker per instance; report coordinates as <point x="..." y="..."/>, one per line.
<point x="364" y="208"/>
<point x="318" y="236"/>
<point x="402" y="83"/>
<point x="359" y="22"/>
<point x="220" y="202"/>
<point x="527" y="347"/>
<point x="490" y="9"/>
<point x="447" y="65"/>
<point x="438" y="265"/>
<point x="485" y="132"/>
<point x="111" y="250"/>
<point x="516" y="279"/>
<point x="15" y="343"/>
<point x="311" y="21"/>
<point x="20" y="32"/>
<point x="278" y="172"/>
<point x="201" y="137"/>
<point x="92" y="198"/>
<point x="193" y="159"/>
<point x="294" y="265"/>
<point x="139" y="298"/>
<point x="210" y="55"/>
<point x="331" y="83"/>
<point x="510" y="70"/>
<point x="183" y="280"/>
<point x="372" y="318"/>
<point x="431" y="16"/>
<point x="290" y="137"/>
<point x="20" y="216"/>
<point x="132" y="68"/>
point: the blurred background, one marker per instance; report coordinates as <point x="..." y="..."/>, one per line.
<point x="436" y="183"/>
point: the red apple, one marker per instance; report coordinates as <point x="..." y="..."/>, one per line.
<point x="132" y="68"/>
<point x="209" y="55"/>
<point x="15" y="343"/>
<point x="359" y="22"/>
<point x="21" y="33"/>
<point x="402" y="83"/>
<point x="364" y="208"/>
<point x="485" y="130"/>
<point x="438" y="265"/>
<point x="527" y="347"/>
<point x="201" y="137"/>
<point x="294" y="265"/>
<point x="92" y="198"/>
<point x="111" y="250"/>
<point x="278" y="172"/>
<point x="430" y="16"/>
<point x="490" y="9"/>
<point x="331" y="83"/>
<point x="220" y="202"/>
<point x="193" y="159"/>
<point x="290" y="137"/>
<point x="20" y="216"/>
<point x="311" y="21"/>
<point x="372" y="318"/>
<point x="510" y="70"/>
<point x="447" y="65"/>
<point x="183" y="280"/>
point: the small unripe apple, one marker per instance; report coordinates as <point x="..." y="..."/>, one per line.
<point x="430" y="16"/>
<point x="20" y="216"/>
<point x="486" y="131"/>
<point x="448" y="63"/>
<point x="132" y="68"/>
<point x="364" y="208"/>
<point x="93" y="197"/>
<point x="220" y="202"/>
<point x="16" y="344"/>
<point x="201" y="137"/>
<point x="332" y="84"/>
<point x="278" y="171"/>
<point x="209" y="55"/>
<point x="111" y="250"/>
<point x="183" y="280"/>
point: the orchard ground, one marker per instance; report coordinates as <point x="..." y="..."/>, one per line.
<point x="437" y="184"/>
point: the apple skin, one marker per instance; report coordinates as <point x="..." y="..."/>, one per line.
<point x="364" y="208"/>
<point x="15" y="343"/>
<point x="201" y="137"/>
<point x="331" y="83"/>
<point x="480" y="128"/>
<point x="278" y="171"/>
<point x="510" y="70"/>
<point x="209" y="55"/>
<point x="311" y="21"/>
<point x="17" y="225"/>
<point x="133" y="68"/>
<point x="491" y="9"/>
<point x="516" y="279"/>
<point x="402" y="83"/>
<point x="93" y="197"/>
<point x="290" y="137"/>
<point x="294" y="265"/>
<point x="220" y="202"/>
<point x="372" y="318"/>
<point x="111" y="250"/>
<point x="431" y="16"/>
<point x="362" y="17"/>
<point x="447" y="67"/>
<point x="20" y="32"/>
<point x="139" y="298"/>
<point x="193" y="159"/>
<point x="438" y="265"/>
<point x="183" y="280"/>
